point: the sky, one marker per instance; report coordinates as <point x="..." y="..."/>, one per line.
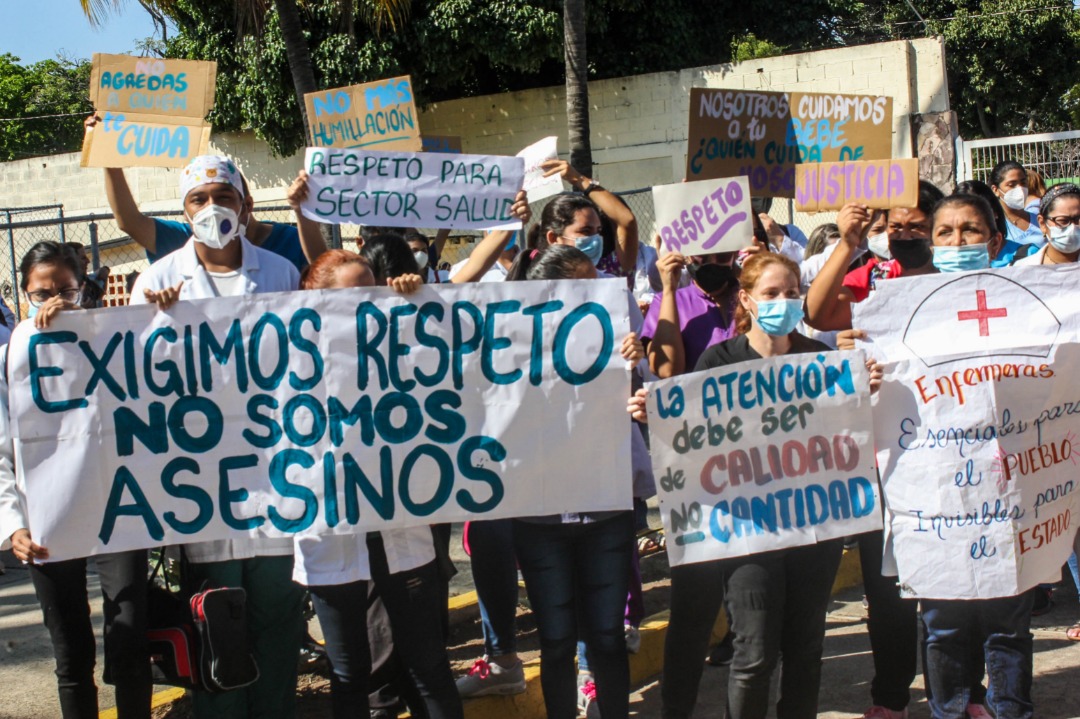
<point x="35" y="30"/>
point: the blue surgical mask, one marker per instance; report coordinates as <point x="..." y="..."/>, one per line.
<point x="30" y="313"/>
<point x="592" y="246"/>
<point x="961" y="258"/>
<point x="512" y="241"/>
<point x="778" y="317"/>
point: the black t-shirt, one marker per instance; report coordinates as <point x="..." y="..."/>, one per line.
<point x="738" y="349"/>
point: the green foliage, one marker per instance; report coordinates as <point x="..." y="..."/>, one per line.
<point x="749" y="47"/>
<point x="49" y="87"/>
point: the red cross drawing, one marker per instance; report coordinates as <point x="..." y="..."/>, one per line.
<point x="983" y="314"/>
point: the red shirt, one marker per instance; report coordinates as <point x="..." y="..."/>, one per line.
<point x="863" y="280"/>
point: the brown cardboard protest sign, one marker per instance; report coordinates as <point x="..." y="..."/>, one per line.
<point x="377" y="115"/>
<point x="152" y="111"/>
<point x="764" y="135"/>
<point x="879" y="184"/>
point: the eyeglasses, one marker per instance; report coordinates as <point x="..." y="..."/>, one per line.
<point x="1064" y="221"/>
<point x="39" y="297"/>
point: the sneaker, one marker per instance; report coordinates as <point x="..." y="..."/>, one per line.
<point x="489" y="678"/>
<point x="879" y="712"/>
<point x="633" y="639"/>
<point x="586" y="698"/>
<point x="978" y="711"/>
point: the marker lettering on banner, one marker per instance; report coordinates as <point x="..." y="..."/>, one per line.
<point x="380" y="114"/>
<point x="152" y="111"/>
<point x="765" y="135"/>
<point x="977" y="422"/>
<point x="403" y="189"/>
<point x="763" y="455"/>
<point x="698" y="218"/>
<point x="219" y="421"/>
<point x="878" y="184"/>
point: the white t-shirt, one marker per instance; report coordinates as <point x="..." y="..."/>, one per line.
<point x="227" y="284"/>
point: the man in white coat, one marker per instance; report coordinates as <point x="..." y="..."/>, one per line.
<point x="217" y="261"/>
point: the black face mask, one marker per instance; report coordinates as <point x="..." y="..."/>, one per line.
<point x="711" y="278"/>
<point x="911" y="254"/>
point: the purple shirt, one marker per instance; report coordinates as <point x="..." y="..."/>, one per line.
<point x="701" y="322"/>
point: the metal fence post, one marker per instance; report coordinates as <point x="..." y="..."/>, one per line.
<point x="60" y="219"/>
<point x="335" y="237"/>
<point x="95" y="258"/>
<point x="14" y="264"/>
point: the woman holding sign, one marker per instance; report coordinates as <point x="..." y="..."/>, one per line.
<point x="50" y="282"/>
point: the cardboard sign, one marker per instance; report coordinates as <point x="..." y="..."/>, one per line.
<point x="321" y="412"/>
<point x="152" y="111"/>
<point x="446" y="144"/>
<point x="699" y="218"/>
<point x="379" y="115"/>
<point x="764" y="135"/>
<point x="879" y="184"/>
<point x="764" y="455"/>
<point x="976" y="425"/>
<point x="412" y="189"/>
<point x="536" y="185"/>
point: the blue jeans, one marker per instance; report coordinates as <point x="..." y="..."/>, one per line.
<point x="1075" y="570"/>
<point x="494" y="570"/>
<point x="1002" y="627"/>
<point x="577" y="577"/>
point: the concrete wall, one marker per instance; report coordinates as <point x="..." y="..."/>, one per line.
<point x="638" y="124"/>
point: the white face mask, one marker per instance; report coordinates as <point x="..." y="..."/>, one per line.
<point x="215" y="226"/>
<point x="879" y="245"/>
<point x="421" y="258"/>
<point x="1066" y="239"/>
<point x="1016" y="198"/>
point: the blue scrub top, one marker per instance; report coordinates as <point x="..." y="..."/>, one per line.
<point x="283" y="240"/>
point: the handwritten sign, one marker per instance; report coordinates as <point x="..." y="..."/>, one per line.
<point x="699" y="218"/>
<point x="379" y="115"/>
<point x="536" y="185"/>
<point x="152" y="111"/>
<point x="764" y="135"/>
<point x="976" y="427"/>
<point x="412" y="189"/>
<point x="447" y="144"/>
<point x="764" y="455"/>
<point x="879" y="184"/>
<point x="329" y="412"/>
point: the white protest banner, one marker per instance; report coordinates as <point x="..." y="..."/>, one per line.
<point x="536" y="185"/>
<point x="380" y="115"/>
<point x="699" y="218"/>
<point x="321" y="412"/>
<point x="152" y="111"/>
<point x="764" y="455"/>
<point x="976" y="425"/>
<point x="412" y="189"/>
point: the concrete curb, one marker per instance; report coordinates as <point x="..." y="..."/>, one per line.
<point x="648" y="662"/>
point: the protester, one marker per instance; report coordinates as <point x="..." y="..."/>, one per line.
<point x="422" y="251"/>
<point x="161" y="237"/>
<point x="777" y="600"/>
<point x="577" y="566"/>
<point x="401" y="563"/>
<point x="1036" y="190"/>
<point x="965" y="238"/>
<point x="218" y="261"/>
<point x="498" y="271"/>
<point x="831" y="294"/>
<point x="1008" y="180"/>
<point x="1058" y="217"/>
<point x="50" y="282"/>
<point x="575" y="220"/>
<point x="93" y="284"/>
<point x="1009" y="250"/>
<point x="822" y="236"/>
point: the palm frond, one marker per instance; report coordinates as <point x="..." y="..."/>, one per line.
<point x="96" y="11"/>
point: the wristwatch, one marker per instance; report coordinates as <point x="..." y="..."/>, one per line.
<point x="593" y="185"/>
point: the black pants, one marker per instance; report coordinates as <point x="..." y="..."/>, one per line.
<point x="697" y="593"/>
<point x="415" y="605"/>
<point x="893" y="626"/>
<point x="61" y="591"/>
<point x="778" y="603"/>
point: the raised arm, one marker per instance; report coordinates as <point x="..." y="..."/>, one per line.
<point x="487" y="252"/>
<point x="626" y="229"/>
<point x="667" y="354"/>
<point x="828" y="302"/>
<point x="312" y="241"/>
<point x="129" y="218"/>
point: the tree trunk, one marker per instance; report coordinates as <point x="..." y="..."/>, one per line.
<point x="577" y="86"/>
<point x="296" y="49"/>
